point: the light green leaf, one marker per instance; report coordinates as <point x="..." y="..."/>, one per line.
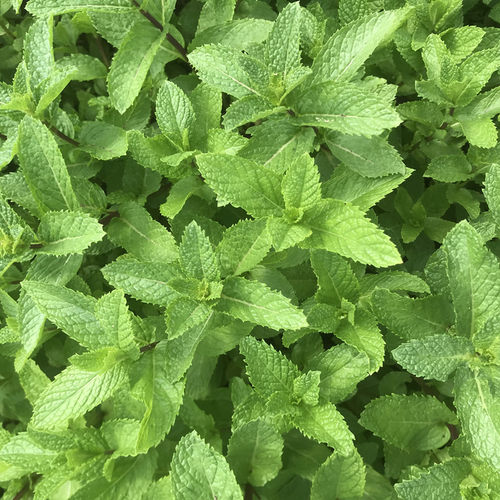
<point x="183" y="314"/>
<point x="336" y="279"/>
<point x="300" y="186"/>
<point x="346" y="108"/>
<point x="339" y="477"/>
<point x="255" y="302"/>
<point x="449" y="168"/>
<point x="56" y="7"/>
<point x="348" y="48"/>
<point x="283" y="42"/>
<point x="492" y="191"/>
<point x="254" y="452"/>
<point x="77" y="390"/>
<point x="268" y="370"/>
<point x="369" y="157"/>
<point x="325" y="424"/>
<point x="200" y="473"/>
<point x="409" y="422"/>
<point x="144" y="238"/>
<point x="44" y="168"/>
<point x="243" y="246"/>
<point x="72" y="312"/>
<point x="228" y="70"/>
<point x="38" y="53"/>
<point x="245" y="110"/>
<point x="215" y="12"/>
<point x="285" y="234"/>
<point x="343" y="228"/>
<point x="440" y="480"/>
<point x="174" y="114"/>
<point x="196" y="255"/>
<point x="68" y="232"/>
<point x="102" y="140"/>
<point x="364" y="192"/>
<point x="478" y="408"/>
<point x="412" y="318"/>
<point x="434" y="357"/>
<point x="112" y="312"/>
<point x="342" y="367"/>
<point x="145" y="281"/>
<point x="474" y="278"/>
<point x="161" y="397"/>
<point x="131" y="63"/>
<point x="242" y="183"/>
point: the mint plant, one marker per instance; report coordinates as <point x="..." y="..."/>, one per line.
<point x="249" y="249"/>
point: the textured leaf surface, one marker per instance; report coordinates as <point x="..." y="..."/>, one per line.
<point x="478" y="408"/>
<point x="434" y="357"/>
<point x="242" y="183"/>
<point x="339" y="477"/>
<point x="144" y="238"/>
<point x="68" y="232"/>
<point x="55" y="7"/>
<point x="474" y="278"/>
<point x="342" y="228"/>
<point x="255" y="302"/>
<point x="44" y="168"/>
<point x="73" y="392"/>
<point x="345" y="108"/>
<point x="349" y="47"/>
<point x="409" y="422"/>
<point x="254" y="452"/>
<point x="198" y="471"/>
<point x="70" y="311"/>
<point x="243" y="246"/>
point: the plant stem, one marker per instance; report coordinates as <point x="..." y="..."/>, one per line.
<point x="177" y="46"/>
<point x="61" y="135"/>
<point x="7" y="31"/>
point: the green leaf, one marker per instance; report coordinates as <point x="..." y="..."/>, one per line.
<point x="44" y="168"/>
<point x="247" y="109"/>
<point x="326" y="425"/>
<point x="286" y="234"/>
<point x="131" y="63"/>
<point x="196" y="255"/>
<point x="68" y="232"/>
<point x="278" y="143"/>
<point x="254" y="452"/>
<point x="336" y="280"/>
<point x="283" y="42"/>
<point x="145" y="281"/>
<point x="269" y="371"/>
<point x="199" y="472"/>
<point x="442" y="480"/>
<point x="243" y="246"/>
<point x="340" y="227"/>
<point x="346" y="108"/>
<point x="255" y="302"/>
<point x="348" y="48"/>
<point x="183" y="314"/>
<point x="476" y="400"/>
<point x="242" y="183"/>
<point x="342" y="367"/>
<point x="449" y="168"/>
<point x="72" y="312"/>
<point x="56" y="7"/>
<point x="112" y="312"/>
<point x="369" y="157"/>
<point x="144" y="238"/>
<point x="38" y="52"/>
<point x="300" y="186"/>
<point x="228" y="70"/>
<point x="174" y="114"/>
<point x="492" y="191"/>
<point x="339" y="477"/>
<point x="435" y="357"/>
<point x="77" y="390"/>
<point x="161" y="397"/>
<point x="473" y="275"/>
<point x="102" y="140"/>
<point x="412" y="318"/>
<point x="409" y="422"/>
